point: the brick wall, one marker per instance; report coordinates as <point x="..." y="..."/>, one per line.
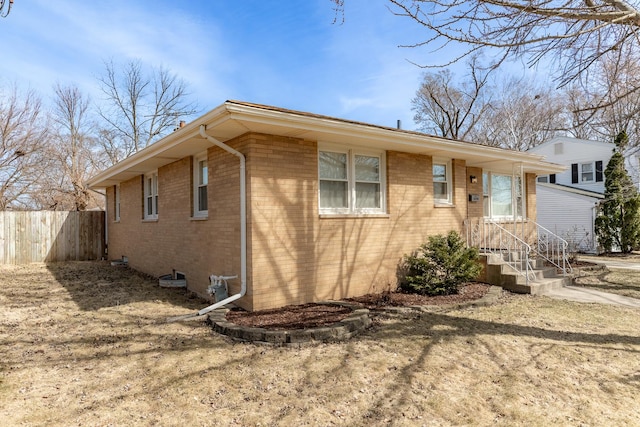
<point x="475" y="209"/>
<point x="297" y="256"/>
<point x="176" y="240"/>
<point x="294" y="254"/>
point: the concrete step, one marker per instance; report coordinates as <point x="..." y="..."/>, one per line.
<point x="536" y="287"/>
<point x="541" y="279"/>
<point x="535" y="273"/>
<point x="515" y="259"/>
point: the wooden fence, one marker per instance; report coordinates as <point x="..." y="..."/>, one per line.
<point x="51" y="236"/>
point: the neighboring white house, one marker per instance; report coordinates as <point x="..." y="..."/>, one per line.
<point x="567" y="202"/>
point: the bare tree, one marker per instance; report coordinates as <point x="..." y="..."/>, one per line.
<point x="23" y="139"/>
<point x="72" y="150"/>
<point x="512" y="113"/>
<point x="617" y="112"/>
<point x="523" y="114"/>
<point x="140" y="109"/>
<point x="450" y="108"/>
<point x="572" y="35"/>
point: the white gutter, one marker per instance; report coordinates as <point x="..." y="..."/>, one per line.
<point x="243" y="224"/>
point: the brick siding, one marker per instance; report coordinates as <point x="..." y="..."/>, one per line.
<point x="294" y="255"/>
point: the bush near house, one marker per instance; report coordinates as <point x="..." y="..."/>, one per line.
<point x="440" y="266"/>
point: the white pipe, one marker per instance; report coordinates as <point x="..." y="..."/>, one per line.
<point x="243" y="223"/>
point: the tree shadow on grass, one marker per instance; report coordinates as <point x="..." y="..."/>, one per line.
<point x="601" y="280"/>
<point x="93" y="285"/>
<point x="434" y="330"/>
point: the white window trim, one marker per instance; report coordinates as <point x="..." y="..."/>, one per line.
<point x="116" y="199"/>
<point x="196" y="185"/>
<point x="351" y="153"/>
<point x="514" y="197"/>
<point x="448" y="201"/>
<point x="593" y="173"/>
<point x="154" y="196"/>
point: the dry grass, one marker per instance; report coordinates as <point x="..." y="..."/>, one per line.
<point x="616" y="281"/>
<point x="86" y="344"/>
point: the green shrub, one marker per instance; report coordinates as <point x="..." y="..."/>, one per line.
<point x="440" y="266"/>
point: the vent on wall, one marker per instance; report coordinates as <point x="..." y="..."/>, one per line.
<point x="558" y="148"/>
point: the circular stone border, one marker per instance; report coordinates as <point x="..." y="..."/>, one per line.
<point x="353" y="324"/>
<point x="491" y="297"/>
<point x="357" y="321"/>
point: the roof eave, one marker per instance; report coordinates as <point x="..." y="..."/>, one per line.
<point x="246" y="117"/>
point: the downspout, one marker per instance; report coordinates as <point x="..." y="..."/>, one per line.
<point x="243" y="223"/>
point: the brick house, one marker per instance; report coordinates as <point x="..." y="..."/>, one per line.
<point x="324" y="209"/>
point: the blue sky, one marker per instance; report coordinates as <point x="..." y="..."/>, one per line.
<point x="286" y="53"/>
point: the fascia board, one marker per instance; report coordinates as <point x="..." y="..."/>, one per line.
<point x="392" y="138"/>
<point x="387" y="138"/>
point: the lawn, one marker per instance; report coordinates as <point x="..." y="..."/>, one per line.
<point x="87" y="344"/>
<point x="616" y="281"/>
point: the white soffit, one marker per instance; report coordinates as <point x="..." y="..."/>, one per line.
<point x="234" y="118"/>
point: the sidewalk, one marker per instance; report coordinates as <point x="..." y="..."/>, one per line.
<point x="580" y="294"/>
<point x="613" y="262"/>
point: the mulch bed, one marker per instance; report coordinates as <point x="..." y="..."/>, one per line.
<point x="318" y="315"/>
<point x="290" y="317"/>
<point x="468" y="292"/>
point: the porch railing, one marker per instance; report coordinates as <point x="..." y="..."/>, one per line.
<point x="493" y="239"/>
<point x="518" y="243"/>
<point x="553" y="249"/>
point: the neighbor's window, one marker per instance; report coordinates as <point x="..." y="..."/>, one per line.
<point x="442" y="188"/>
<point x="151" y="196"/>
<point x="351" y="181"/>
<point x="502" y="195"/>
<point x="587" y="172"/>
<point x="116" y="199"/>
<point x="200" y="182"/>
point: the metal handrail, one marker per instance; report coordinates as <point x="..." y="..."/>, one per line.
<point x="490" y="237"/>
<point x="552" y="248"/>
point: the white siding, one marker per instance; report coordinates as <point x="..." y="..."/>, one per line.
<point x="569" y="215"/>
<point x="576" y="151"/>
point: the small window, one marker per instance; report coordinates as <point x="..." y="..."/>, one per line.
<point x="442" y="188"/>
<point x="334" y="182"/>
<point x="544" y="178"/>
<point x="350" y="181"/>
<point x="587" y="172"/>
<point x="367" y="181"/>
<point x="200" y="184"/>
<point x="151" y="196"/>
<point x="116" y="207"/>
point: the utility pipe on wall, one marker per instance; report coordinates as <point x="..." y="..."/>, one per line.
<point x="243" y="223"/>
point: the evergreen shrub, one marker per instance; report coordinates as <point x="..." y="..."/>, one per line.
<point x="440" y="266"/>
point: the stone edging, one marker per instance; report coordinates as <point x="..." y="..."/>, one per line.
<point x="489" y="298"/>
<point x="356" y="322"/>
<point x="353" y="324"/>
